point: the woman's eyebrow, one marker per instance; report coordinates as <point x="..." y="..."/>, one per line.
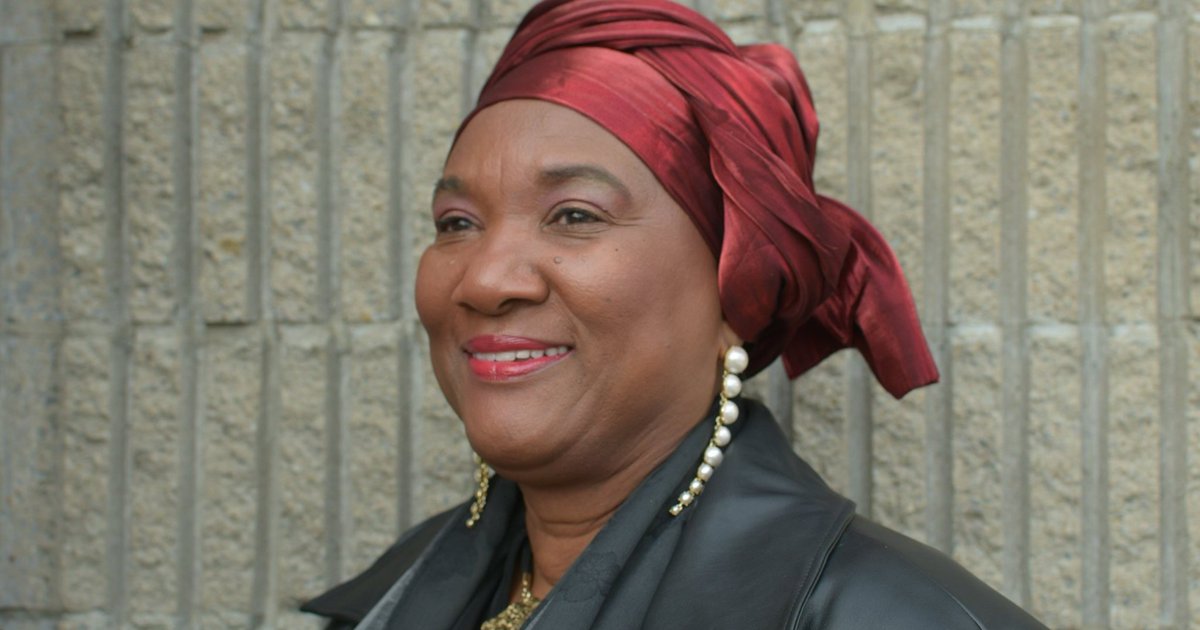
<point x="555" y="176"/>
<point x="563" y="174"/>
<point x="449" y="184"/>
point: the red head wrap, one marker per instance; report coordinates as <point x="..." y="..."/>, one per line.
<point x="731" y="133"/>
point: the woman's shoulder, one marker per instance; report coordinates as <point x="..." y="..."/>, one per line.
<point x="876" y="577"/>
<point x="350" y="601"/>
<point x="799" y="557"/>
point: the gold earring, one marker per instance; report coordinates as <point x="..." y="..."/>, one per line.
<point x="482" y="482"/>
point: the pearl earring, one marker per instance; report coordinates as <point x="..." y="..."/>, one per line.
<point x="483" y="477"/>
<point x="735" y="362"/>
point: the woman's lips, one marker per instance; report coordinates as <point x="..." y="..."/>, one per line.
<point x="499" y="357"/>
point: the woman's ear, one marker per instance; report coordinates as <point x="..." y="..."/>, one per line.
<point x="728" y="338"/>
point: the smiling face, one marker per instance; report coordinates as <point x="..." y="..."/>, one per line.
<point x="572" y="308"/>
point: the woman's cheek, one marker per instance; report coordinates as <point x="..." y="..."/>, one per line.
<point x="432" y="292"/>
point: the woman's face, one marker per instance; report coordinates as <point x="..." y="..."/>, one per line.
<point x="571" y="305"/>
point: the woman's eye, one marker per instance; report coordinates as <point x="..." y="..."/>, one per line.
<point x="452" y="224"/>
<point x="574" y="216"/>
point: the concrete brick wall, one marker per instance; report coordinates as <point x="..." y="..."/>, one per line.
<point x="214" y="399"/>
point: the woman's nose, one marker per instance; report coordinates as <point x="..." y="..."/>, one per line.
<point x="500" y="273"/>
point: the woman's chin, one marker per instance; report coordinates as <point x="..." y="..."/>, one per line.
<point x="512" y="447"/>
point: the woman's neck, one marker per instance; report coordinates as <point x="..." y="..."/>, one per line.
<point x="561" y="520"/>
<point x="569" y="499"/>
<point x="558" y="534"/>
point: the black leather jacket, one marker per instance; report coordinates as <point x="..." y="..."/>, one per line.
<point x="767" y="545"/>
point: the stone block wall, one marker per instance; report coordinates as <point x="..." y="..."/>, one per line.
<point x="214" y="397"/>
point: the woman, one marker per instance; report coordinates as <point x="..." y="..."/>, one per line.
<point x="628" y="206"/>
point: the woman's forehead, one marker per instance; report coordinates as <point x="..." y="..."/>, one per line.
<point x="544" y="144"/>
<point x="549" y="177"/>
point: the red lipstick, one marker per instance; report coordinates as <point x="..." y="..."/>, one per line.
<point x="504" y="357"/>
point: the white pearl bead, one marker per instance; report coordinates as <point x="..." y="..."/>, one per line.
<point x="722" y="436"/>
<point x="676" y="509"/>
<point x="736" y="360"/>
<point x="731" y="386"/>
<point x="685" y="498"/>
<point x="713" y="456"/>
<point x="704" y="472"/>
<point x="696" y="487"/>
<point x="729" y="412"/>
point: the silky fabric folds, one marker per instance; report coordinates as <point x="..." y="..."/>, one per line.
<point x="731" y="133"/>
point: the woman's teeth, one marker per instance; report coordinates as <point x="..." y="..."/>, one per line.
<point x="519" y="355"/>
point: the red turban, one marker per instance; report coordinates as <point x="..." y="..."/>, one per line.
<point x="731" y="133"/>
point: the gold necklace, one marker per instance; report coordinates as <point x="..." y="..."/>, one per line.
<point x="514" y="616"/>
